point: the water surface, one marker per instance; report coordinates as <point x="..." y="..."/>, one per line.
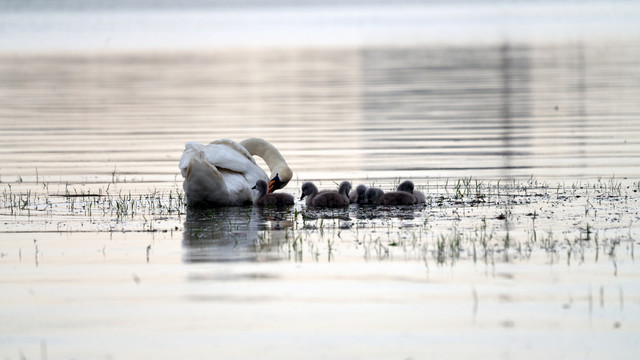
<point x="526" y="148"/>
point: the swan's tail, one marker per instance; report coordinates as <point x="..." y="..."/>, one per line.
<point x="202" y="182"/>
<point x="191" y="150"/>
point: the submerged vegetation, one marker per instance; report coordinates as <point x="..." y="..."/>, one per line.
<point x="466" y="219"/>
<point x="105" y="208"/>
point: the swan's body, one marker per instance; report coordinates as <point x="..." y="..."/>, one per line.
<point x="357" y="196"/>
<point x="223" y="172"/>
<point x="326" y="198"/>
<point x="407" y="186"/>
<point x="274" y="199"/>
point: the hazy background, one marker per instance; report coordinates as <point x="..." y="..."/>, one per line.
<point x="199" y="24"/>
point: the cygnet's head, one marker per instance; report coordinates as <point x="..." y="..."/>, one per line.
<point x="406" y="186"/>
<point x="360" y="190"/>
<point x="308" y="189"/>
<point x="261" y="186"/>
<point x="372" y="194"/>
<point x="344" y="188"/>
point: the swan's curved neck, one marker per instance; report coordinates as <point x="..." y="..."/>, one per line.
<point x="271" y="155"/>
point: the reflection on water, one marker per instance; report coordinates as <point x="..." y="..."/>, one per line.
<point x="260" y="234"/>
<point x="235" y="234"/>
<point x="503" y="111"/>
<point x="376" y="114"/>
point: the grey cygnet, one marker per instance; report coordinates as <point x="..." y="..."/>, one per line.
<point x="273" y="199"/>
<point x="401" y="197"/>
<point x="372" y="194"/>
<point x="326" y="198"/>
<point x="407" y="186"/>
<point x="358" y="195"/>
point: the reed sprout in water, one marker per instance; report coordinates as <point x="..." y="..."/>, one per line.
<point x="479" y="220"/>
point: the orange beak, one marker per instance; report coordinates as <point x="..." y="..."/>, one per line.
<point x="275" y="184"/>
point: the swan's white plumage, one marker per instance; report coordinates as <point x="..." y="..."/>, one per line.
<point x="222" y="173"/>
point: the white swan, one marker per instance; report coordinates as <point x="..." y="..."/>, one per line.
<point x="223" y="172"/>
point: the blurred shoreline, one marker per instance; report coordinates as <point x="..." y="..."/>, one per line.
<point x="206" y="26"/>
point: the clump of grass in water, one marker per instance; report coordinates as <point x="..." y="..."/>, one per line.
<point x="76" y="202"/>
<point x="448" y="247"/>
<point x="480" y="241"/>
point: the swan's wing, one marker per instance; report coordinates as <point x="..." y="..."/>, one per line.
<point x="240" y="170"/>
<point x="223" y="154"/>
<point x="228" y="154"/>
<point x="233" y="148"/>
<point x="238" y="188"/>
<point x="230" y="161"/>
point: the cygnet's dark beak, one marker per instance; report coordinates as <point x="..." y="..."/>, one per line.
<point x="254" y="187"/>
<point x="275" y="184"/>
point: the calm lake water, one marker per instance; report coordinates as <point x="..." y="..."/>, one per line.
<point x="526" y="144"/>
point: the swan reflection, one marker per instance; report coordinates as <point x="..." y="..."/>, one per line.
<point x="257" y="234"/>
<point x="241" y="233"/>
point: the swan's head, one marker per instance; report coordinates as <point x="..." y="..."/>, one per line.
<point x="406" y="186"/>
<point x="360" y="190"/>
<point x="344" y="188"/>
<point x="280" y="179"/>
<point x="261" y="186"/>
<point x="308" y="189"/>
